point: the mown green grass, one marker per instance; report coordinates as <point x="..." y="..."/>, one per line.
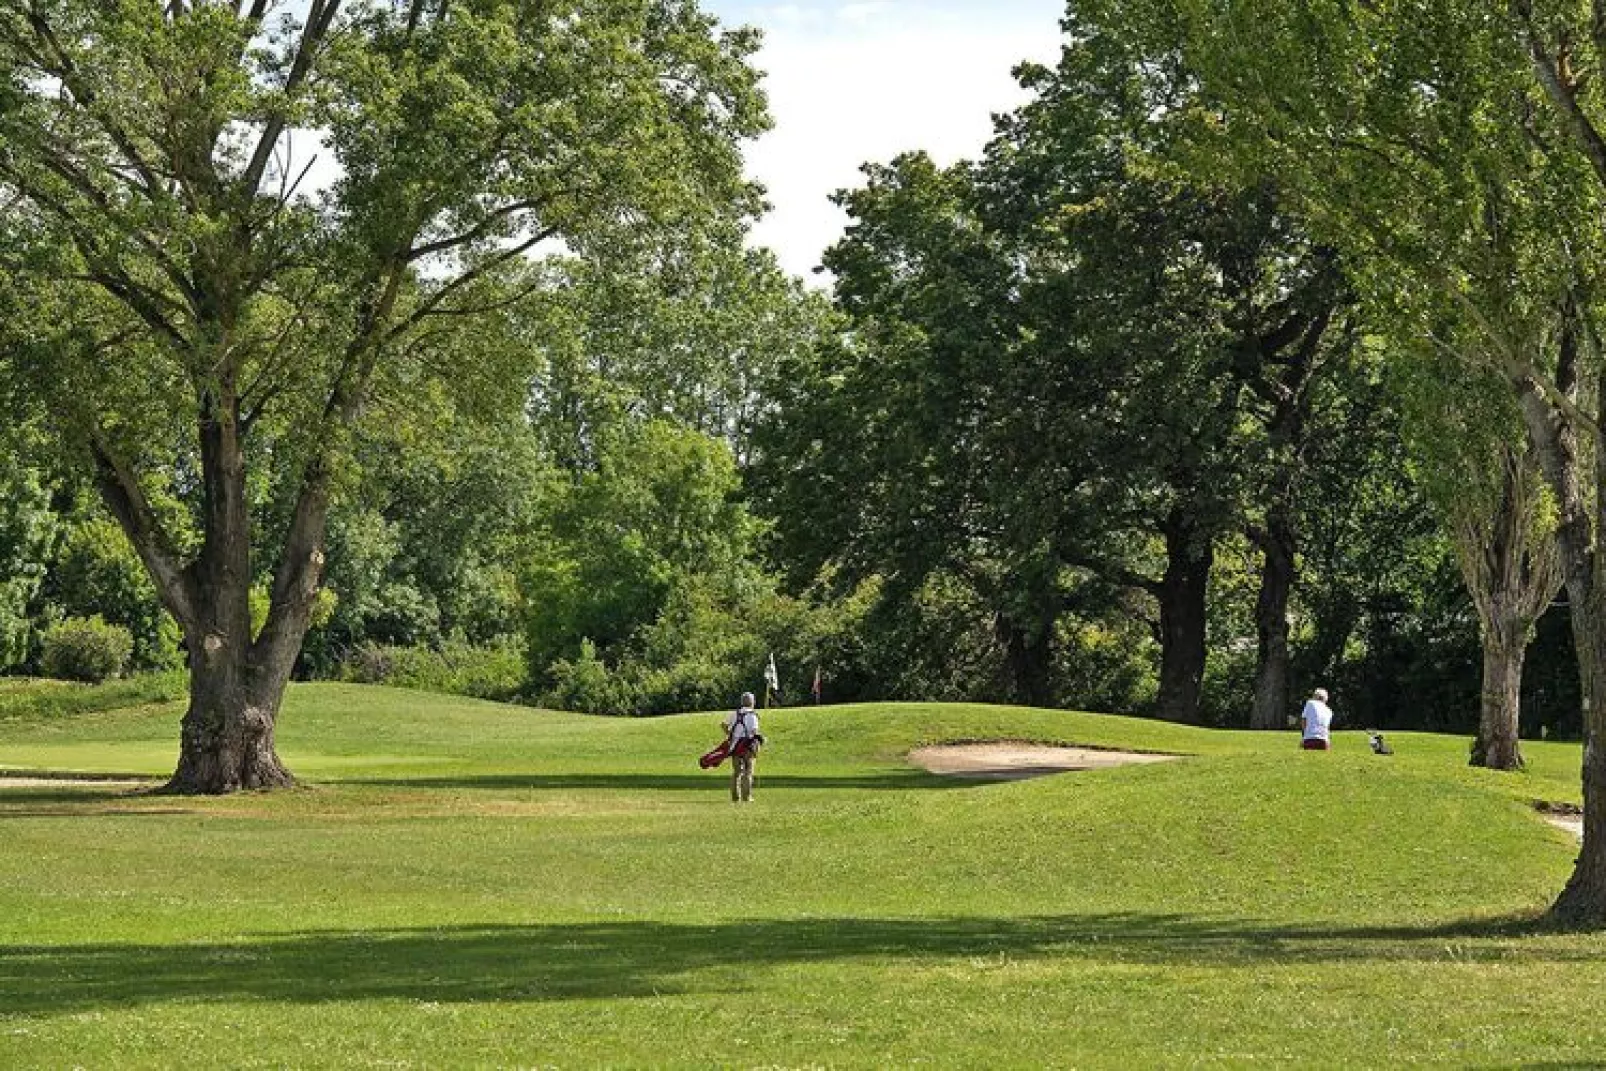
<point x="466" y="884"/>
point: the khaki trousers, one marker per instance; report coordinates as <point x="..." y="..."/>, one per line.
<point x="742" y="777"/>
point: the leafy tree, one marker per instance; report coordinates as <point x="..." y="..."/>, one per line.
<point x="884" y="458"/>
<point x="28" y="532"/>
<point x="1487" y="483"/>
<point x="1454" y="146"/>
<point x="155" y="223"/>
<point x="95" y="573"/>
<point x="696" y="334"/>
<point x="1457" y="147"/>
<point x="424" y="549"/>
<point x="616" y="545"/>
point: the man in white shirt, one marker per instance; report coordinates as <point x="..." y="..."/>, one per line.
<point x="1316" y="723"/>
<point x="742" y="729"/>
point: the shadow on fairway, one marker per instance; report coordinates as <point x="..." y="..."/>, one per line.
<point x="629" y="959"/>
<point x="713" y="781"/>
<point x="81" y="802"/>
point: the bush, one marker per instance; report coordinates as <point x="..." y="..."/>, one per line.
<point x="98" y="572"/>
<point x="86" y="649"/>
<point x="584" y="683"/>
<point x="456" y="668"/>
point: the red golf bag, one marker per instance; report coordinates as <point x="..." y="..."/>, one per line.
<point x="713" y="758"/>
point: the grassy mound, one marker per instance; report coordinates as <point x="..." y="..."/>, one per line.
<point x="467" y="884"/>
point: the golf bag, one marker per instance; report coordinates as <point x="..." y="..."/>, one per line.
<point x="711" y="759"/>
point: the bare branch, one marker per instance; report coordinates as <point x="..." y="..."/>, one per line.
<point x="478" y="231"/>
<point x="478" y="271"/>
<point x="320" y="16"/>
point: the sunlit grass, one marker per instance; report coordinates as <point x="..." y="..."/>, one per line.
<point x="467" y="884"/>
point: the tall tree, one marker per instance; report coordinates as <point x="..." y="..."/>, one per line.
<point x="1486" y="481"/>
<point x="1174" y="327"/>
<point x="1457" y="148"/>
<point x="889" y="455"/>
<point x="156" y="215"/>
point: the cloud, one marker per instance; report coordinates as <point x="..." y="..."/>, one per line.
<point x="874" y="82"/>
<point x="862" y="13"/>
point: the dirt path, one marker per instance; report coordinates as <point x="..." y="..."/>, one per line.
<point x="1575" y="826"/>
<point x="1007" y="761"/>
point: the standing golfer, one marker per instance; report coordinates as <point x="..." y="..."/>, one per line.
<point x="1316" y="723"/>
<point x="742" y="727"/>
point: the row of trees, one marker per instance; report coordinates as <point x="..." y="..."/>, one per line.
<point x="1140" y="324"/>
<point x="1200" y="383"/>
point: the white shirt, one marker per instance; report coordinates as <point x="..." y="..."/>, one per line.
<point x="1316" y="720"/>
<point x="745" y="722"/>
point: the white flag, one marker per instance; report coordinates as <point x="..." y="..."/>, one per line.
<point x="772" y="678"/>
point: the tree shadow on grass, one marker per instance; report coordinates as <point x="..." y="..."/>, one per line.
<point x="713" y="781"/>
<point x="43" y="802"/>
<point x="556" y="962"/>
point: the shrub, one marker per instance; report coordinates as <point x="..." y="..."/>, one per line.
<point x="586" y="684"/>
<point x="86" y="649"/>
<point x="98" y="572"/>
<point x="455" y="668"/>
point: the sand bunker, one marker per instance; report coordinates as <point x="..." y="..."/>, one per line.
<point x="1013" y="761"/>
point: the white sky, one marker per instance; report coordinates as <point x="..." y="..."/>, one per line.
<point x="856" y="81"/>
<point x="851" y="81"/>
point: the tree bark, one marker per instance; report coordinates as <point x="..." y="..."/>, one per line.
<point x="1583" y="901"/>
<point x="1027" y="658"/>
<point x="1276" y="544"/>
<point x="226" y="740"/>
<point x="1496" y="743"/>
<point x="1512" y="570"/>
<point x="1182" y="591"/>
<point x="227" y="737"/>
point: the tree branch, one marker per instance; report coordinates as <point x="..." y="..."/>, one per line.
<point x="1563" y="93"/>
<point x="319" y="18"/>
<point x="479" y="270"/>
<point x="66" y="70"/>
<point x="479" y="230"/>
<point x="126" y="500"/>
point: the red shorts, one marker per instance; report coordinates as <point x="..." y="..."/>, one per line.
<point x="1315" y="744"/>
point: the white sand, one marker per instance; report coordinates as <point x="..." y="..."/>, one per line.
<point x="1014" y="761"/>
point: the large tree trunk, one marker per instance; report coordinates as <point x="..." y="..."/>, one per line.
<point x="1028" y="656"/>
<point x="1583" y="901"/>
<point x="1276" y="543"/>
<point x="1552" y="433"/>
<point x="1512" y="568"/>
<point x="226" y="742"/>
<point x="227" y="737"/>
<point x="1496" y="743"/>
<point x="1182" y="592"/>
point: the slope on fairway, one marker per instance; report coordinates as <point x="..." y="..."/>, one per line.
<point x="468" y="884"/>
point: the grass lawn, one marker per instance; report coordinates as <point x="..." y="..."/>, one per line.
<point x="467" y="884"/>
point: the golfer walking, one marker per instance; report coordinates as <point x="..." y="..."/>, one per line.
<point x="742" y="728"/>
